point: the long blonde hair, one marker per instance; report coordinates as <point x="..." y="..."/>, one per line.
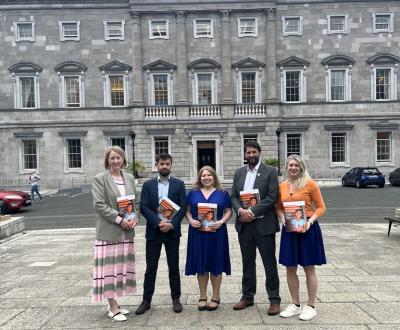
<point x="303" y="177"/>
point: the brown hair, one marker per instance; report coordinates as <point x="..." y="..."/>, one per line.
<point x="117" y="150"/>
<point x="213" y="174"/>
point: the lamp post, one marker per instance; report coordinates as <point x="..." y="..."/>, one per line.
<point x="278" y="137"/>
<point x="134" y="171"/>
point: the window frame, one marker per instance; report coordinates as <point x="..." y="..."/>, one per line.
<point x="107" y="89"/>
<point x="153" y="148"/>
<point x="195" y="31"/>
<point x="302" y="85"/>
<point x="107" y="32"/>
<point x="345" y="24"/>
<point x="242" y="144"/>
<point x="62" y="35"/>
<point x="195" y="87"/>
<point x="300" y="136"/>
<point x="242" y="35"/>
<point x="346" y="162"/>
<point x="392" y="82"/>
<point x="67" y="168"/>
<point x="18" y="92"/>
<point x="257" y="86"/>
<point x="17" y="34"/>
<point x="152" y="36"/>
<point x="63" y="97"/>
<point x="170" y="88"/>
<point x="391" y="22"/>
<point x="390" y="161"/>
<point x="22" y="168"/>
<point x="293" y="33"/>
<point x="347" y="84"/>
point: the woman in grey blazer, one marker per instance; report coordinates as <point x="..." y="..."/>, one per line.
<point x="114" y="265"/>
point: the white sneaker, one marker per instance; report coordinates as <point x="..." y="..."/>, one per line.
<point x="290" y="310"/>
<point x="118" y="317"/>
<point x="308" y="313"/>
<point x="123" y="311"/>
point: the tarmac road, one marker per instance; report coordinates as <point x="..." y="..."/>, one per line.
<point x="74" y="209"/>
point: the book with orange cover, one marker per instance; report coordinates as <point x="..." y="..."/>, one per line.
<point x="126" y="207"/>
<point x="295" y="216"/>
<point x="168" y="208"/>
<point x="207" y="215"/>
<point x="250" y="198"/>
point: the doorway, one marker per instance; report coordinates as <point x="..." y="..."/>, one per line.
<point x="206" y="154"/>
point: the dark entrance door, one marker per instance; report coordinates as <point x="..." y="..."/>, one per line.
<point x="205" y="154"/>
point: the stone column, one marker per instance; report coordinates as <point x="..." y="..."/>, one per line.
<point x="137" y="60"/>
<point x="270" y="55"/>
<point x="181" y="60"/>
<point x="226" y="57"/>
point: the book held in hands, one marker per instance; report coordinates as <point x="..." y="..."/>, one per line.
<point x="249" y="198"/>
<point x="207" y="215"/>
<point x="168" y="208"/>
<point x="126" y="207"/>
<point x="295" y="216"/>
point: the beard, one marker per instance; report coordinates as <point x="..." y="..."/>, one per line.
<point x="253" y="160"/>
<point x="164" y="173"/>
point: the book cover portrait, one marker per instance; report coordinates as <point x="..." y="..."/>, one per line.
<point x="295" y="216"/>
<point x="249" y="198"/>
<point x="207" y="215"/>
<point x="125" y="207"/>
<point x="168" y="208"/>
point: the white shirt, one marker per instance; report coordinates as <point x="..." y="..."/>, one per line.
<point x="251" y="177"/>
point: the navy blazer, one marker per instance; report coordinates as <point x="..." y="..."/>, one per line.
<point x="149" y="203"/>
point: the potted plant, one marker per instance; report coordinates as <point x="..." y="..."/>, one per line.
<point x="271" y="162"/>
<point x="137" y="168"/>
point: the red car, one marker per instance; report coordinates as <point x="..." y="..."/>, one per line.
<point x="11" y="200"/>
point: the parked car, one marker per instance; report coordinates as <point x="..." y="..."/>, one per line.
<point x="14" y="200"/>
<point x="394" y="177"/>
<point x="363" y="176"/>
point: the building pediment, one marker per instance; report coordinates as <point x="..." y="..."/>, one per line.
<point x="203" y="64"/>
<point x="293" y="61"/>
<point x="115" y="66"/>
<point x="159" y="65"/>
<point x="70" y="67"/>
<point x="25" y="67"/>
<point x="338" y="60"/>
<point x="383" y="59"/>
<point x="248" y="63"/>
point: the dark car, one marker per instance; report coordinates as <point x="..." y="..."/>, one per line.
<point x="394" y="177"/>
<point x="14" y="200"/>
<point x="363" y="176"/>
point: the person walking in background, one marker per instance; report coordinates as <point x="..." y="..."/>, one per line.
<point x="257" y="226"/>
<point x="208" y="252"/>
<point x="34" y="179"/>
<point x="304" y="248"/>
<point x="162" y="231"/>
<point x="114" y="266"/>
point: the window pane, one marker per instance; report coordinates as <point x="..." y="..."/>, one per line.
<point x="160" y="145"/>
<point x="160" y="89"/>
<point x="204" y="88"/>
<point x="114" y="29"/>
<point x="293" y="86"/>
<point x="247" y="26"/>
<point x="292" y="25"/>
<point x="337" y="23"/>
<point x="70" y="30"/>
<point x="383" y="146"/>
<point x="382" y="84"/>
<point x="74" y="153"/>
<point x="72" y="92"/>
<point x="117" y="91"/>
<point x="29" y="154"/>
<point x="203" y="27"/>
<point x="293" y="144"/>
<point x="382" y="22"/>
<point x="159" y="28"/>
<point x="337" y="85"/>
<point x="248" y="87"/>
<point x="338" y="147"/>
<point x="27" y="86"/>
<point x="25" y="30"/>
<point x="120" y="142"/>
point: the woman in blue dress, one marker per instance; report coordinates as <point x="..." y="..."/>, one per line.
<point x="208" y="251"/>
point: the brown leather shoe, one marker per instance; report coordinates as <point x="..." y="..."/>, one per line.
<point x="274" y="309"/>
<point x="242" y="304"/>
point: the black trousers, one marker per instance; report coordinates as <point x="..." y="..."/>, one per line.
<point x="153" y="251"/>
<point x="250" y="240"/>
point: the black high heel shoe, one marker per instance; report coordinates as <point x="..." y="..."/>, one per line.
<point x="202" y="308"/>
<point x="209" y="308"/>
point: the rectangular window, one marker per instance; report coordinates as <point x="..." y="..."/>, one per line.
<point x="114" y="30"/>
<point x="247" y="27"/>
<point x="117" y="91"/>
<point x="24" y="31"/>
<point x="203" y="28"/>
<point x="383" y="22"/>
<point x="158" y="29"/>
<point x="337" y="23"/>
<point x="248" y="138"/>
<point x="27" y="92"/>
<point x="69" y="31"/>
<point x="118" y="141"/>
<point x="383" y="147"/>
<point x="338" y="147"/>
<point x="337" y="85"/>
<point x="160" y="89"/>
<point x="292" y="25"/>
<point x="292" y="86"/>
<point x="248" y="87"/>
<point x="382" y="84"/>
<point x="293" y="144"/>
<point x="29" y="154"/>
<point x="74" y="153"/>
<point x="204" y="88"/>
<point x="161" y="145"/>
<point x="72" y="92"/>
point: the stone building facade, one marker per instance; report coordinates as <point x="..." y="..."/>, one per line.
<point x="197" y="79"/>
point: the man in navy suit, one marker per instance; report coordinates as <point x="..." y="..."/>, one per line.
<point x="160" y="230"/>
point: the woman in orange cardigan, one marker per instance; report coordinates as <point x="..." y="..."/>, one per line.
<point x="305" y="248"/>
